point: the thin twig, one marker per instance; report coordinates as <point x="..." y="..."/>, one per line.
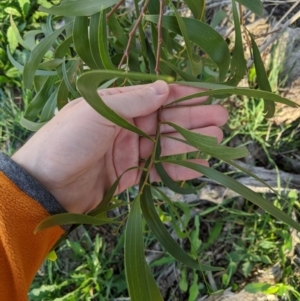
<point x="159" y="39"/>
<point x="132" y="33"/>
<point x="115" y="8"/>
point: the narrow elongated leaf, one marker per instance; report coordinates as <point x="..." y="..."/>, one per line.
<point x="218" y="17"/>
<point x="78" y="8"/>
<point x="204" y="36"/>
<point x="238" y="91"/>
<point x="197" y="7"/>
<point x="88" y="83"/>
<point x="17" y="34"/>
<point x="50" y="65"/>
<point x="141" y="284"/>
<point x="95" y="39"/>
<point x="262" y="79"/>
<point x="238" y="62"/>
<point x="49" y="108"/>
<point x="63" y="48"/>
<point x="206" y="85"/>
<point x="151" y="57"/>
<point x="102" y="42"/>
<point x="209" y="145"/>
<point x="153" y="7"/>
<point x="62" y="95"/>
<point x="107" y="198"/>
<point x="30" y="125"/>
<point x="240" y="189"/>
<point x="69" y="219"/>
<point x="118" y="31"/>
<point x="70" y="75"/>
<point x="164" y="237"/>
<point x="109" y="195"/>
<point x="185" y="76"/>
<point x="20" y="67"/>
<point x="30" y="38"/>
<point x="37" y="55"/>
<point x="142" y="36"/>
<point x="254" y="176"/>
<point x="170" y="183"/>
<point x="246" y="171"/>
<point x="184" y="33"/>
<point x="167" y="180"/>
<point x="81" y="41"/>
<point x="173" y="211"/>
<point x="254" y="5"/>
<point x="40" y="99"/>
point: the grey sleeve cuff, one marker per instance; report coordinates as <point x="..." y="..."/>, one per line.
<point x="29" y="185"/>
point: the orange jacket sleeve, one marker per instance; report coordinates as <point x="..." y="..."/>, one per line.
<point x="23" y="204"/>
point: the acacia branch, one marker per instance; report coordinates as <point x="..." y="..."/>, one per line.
<point x="132" y="33"/>
<point x="115" y="8"/>
<point x="159" y="39"/>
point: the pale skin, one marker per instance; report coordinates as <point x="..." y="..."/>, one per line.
<point x="79" y="154"/>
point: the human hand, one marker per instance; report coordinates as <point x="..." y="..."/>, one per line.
<point x="79" y="154"/>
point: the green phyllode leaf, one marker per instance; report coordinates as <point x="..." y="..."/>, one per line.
<point x="164" y="237"/>
<point x="102" y="42"/>
<point x="40" y="99"/>
<point x="17" y="34"/>
<point x="81" y="41"/>
<point x="141" y="284"/>
<point x="184" y="33"/>
<point x="20" y="67"/>
<point x="167" y="180"/>
<point x="81" y="8"/>
<point x="240" y="189"/>
<point x="70" y="219"/>
<point x="238" y="62"/>
<point x="37" y="55"/>
<point x="254" y="5"/>
<point x="202" y="35"/>
<point x="197" y="7"/>
<point x="262" y="79"/>
<point x="209" y="145"/>
<point x="226" y="90"/>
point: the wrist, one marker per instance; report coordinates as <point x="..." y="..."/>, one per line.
<point x="30" y="164"/>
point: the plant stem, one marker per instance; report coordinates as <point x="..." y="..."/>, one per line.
<point x="132" y="33"/>
<point x="115" y="8"/>
<point x="152" y="157"/>
<point x="159" y="39"/>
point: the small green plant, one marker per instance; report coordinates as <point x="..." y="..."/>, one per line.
<point x="26" y="17"/>
<point x="85" y="273"/>
<point x="93" y="44"/>
<point x="280" y="289"/>
<point x="12" y="134"/>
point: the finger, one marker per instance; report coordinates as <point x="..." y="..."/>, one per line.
<point x="118" y="90"/>
<point x="173" y="147"/>
<point x="179" y="91"/>
<point x="113" y="91"/>
<point x="187" y="117"/>
<point x="175" y="92"/>
<point x="138" y="102"/>
<point x="178" y="173"/>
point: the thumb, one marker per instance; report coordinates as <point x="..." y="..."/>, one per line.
<point x="139" y="102"/>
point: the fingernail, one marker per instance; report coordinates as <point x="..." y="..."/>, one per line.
<point x="159" y="87"/>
